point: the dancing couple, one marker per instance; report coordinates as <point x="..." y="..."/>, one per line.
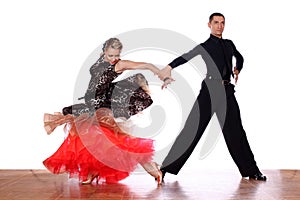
<point x="100" y="147"/>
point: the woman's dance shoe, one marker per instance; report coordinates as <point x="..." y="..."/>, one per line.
<point x="153" y="170"/>
<point x="91" y="179"/>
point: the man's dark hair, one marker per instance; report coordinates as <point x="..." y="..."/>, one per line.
<point x="215" y="14"/>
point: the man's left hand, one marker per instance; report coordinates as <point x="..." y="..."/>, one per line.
<point x="236" y="74"/>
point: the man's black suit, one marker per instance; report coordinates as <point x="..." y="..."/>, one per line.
<point x="217" y="54"/>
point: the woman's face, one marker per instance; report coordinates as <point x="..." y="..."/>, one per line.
<point x="112" y="55"/>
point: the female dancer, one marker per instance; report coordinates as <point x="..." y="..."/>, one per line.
<point x="97" y="146"/>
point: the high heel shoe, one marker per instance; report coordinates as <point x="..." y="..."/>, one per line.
<point x="153" y="170"/>
<point x="90" y="180"/>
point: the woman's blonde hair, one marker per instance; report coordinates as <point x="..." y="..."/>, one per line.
<point x="114" y="43"/>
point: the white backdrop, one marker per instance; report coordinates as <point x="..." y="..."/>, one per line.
<point x="43" y="45"/>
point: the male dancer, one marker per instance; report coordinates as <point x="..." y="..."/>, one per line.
<point x="217" y="52"/>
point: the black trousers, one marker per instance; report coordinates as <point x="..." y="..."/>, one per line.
<point x="234" y="134"/>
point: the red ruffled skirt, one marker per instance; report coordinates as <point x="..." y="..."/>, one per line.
<point x="98" y="145"/>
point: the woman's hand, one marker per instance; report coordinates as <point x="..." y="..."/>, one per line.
<point x="167" y="81"/>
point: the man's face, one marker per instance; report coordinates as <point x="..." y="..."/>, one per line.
<point x="217" y="25"/>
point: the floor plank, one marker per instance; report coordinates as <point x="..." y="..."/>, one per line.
<point x="225" y="184"/>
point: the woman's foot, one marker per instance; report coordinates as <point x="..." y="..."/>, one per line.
<point x="90" y="180"/>
<point x="153" y="170"/>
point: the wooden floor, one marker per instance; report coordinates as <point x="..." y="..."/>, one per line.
<point x="219" y="185"/>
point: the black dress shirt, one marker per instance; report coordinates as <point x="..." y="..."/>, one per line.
<point x="215" y="52"/>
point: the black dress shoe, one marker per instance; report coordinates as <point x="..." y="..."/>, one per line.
<point x="258" y="176"/>
<point x="163" y="174"/>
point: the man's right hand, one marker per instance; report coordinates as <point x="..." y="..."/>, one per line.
<point x="165" y="72"/>
<point x="165" y="75"/>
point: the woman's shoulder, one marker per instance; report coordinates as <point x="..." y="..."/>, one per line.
<point x="122" y="65"/>
<point x="124" y="62"/>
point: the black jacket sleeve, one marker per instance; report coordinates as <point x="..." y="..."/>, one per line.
<point x="187" y="56"/>
<point x="239" y="58"/>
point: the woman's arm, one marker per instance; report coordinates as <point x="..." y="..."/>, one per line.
<point x="123" y="65"/>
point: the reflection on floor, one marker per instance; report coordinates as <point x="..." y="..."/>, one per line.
<point x="226" y="184"/>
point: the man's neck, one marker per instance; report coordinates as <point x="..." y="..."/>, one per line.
<point x="217" y="35"/>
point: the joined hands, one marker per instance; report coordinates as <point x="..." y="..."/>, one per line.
<point x="165" y="75"/>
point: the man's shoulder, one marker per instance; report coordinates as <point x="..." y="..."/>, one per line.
<point x="228" y="40"/>
<point x="204" y="43"/>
